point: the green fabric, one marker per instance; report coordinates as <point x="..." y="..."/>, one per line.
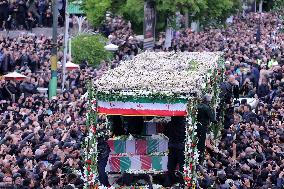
<point x="119" y="146"/>
<point x="125" y="163"/>
<point x="152" y="146"/>
<point x="156" y="163"/>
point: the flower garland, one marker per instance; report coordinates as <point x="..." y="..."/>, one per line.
<point x="218" y="76"/>
<point x="150" y="171"/>
<point x="191" y="153"/>
<point x="90" y="154"/>
<point x="123" y="96"/>
<point x="213" y="78"/>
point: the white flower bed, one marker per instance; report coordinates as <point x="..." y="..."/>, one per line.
<point x="163" y="72"/>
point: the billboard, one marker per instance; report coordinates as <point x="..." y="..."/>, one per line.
<point x="149" y="24"/>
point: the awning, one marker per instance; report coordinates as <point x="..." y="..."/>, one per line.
<point x="14" y="76"/>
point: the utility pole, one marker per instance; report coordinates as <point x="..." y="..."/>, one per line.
<point x="53" y="59"/>
<point x="260" y="6"/>
<point x="66" y="37"/>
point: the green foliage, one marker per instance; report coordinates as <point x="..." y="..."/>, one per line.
<point x="89" y="47"/>
<point x="278" y="5"/>
<point x="205" y="11"/>
<point x="95" y="10"/>
<point x="117" y="5"/>
<point x="219" y="10"/>
<point x="133" y="10"/>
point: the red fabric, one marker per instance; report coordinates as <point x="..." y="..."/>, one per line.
<point x="146" y="162"/>
<point x="118" y="111"/>
<point x="111" y="146"/>
<point x="114" y="163"/>
<point x="141" y="147"/>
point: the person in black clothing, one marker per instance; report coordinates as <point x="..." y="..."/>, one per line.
<point x="133" y="125"/>
<point x="263" y="90"/>
<point x="103" y="153"/>
<point x="204" y="117"/>
<point x="48" y="18"/>
<point x="13" y="88"/>
<point x="21" y="15"/>
<point x="3" y="13"/>
<point x="258" y="34"/>
<point x="226" y="94"/>
<point x="30" y="21"/>
<point x="175" y="130"/>
<point x="3" y="90"/>
<point x="117" y="126"/>
<point x="28" y="183"/>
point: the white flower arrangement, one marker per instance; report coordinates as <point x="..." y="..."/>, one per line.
<point x="163" y="72"/>
<point x="150" y="171"/>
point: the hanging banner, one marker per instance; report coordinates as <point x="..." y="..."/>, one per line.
<point x="149" y="25"/>
<point x="169" y="37"/>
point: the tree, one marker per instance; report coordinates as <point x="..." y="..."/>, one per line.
<point x="95" y="10"/>
<point x="133" y="10"/>
<point x="218" y="11"/>
<point x="203" y="10"/>
<point x="278" y="5"/>
<point x="89" y="47"/>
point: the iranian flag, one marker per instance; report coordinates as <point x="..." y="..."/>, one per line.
<point x="143" y="106"/>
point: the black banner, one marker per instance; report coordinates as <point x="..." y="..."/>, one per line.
<point x="149" y="24"/>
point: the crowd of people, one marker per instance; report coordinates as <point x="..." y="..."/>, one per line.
<point x="27" y="14"/>
<point x="250" y="152"/>
<point x="40" y="138"/>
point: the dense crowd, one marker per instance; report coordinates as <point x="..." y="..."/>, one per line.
<point x="250" y="153"/>
<point x="26" y="14"/>
<point x="40" y="138"/>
